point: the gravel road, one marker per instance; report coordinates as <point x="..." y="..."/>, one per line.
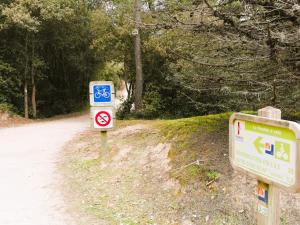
<point x="29" y="192"/>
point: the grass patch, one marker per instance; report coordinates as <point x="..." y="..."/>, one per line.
<point x="189" y="138"/>
<point x="183" y="128"/>
<point x="86" y="165"/>
<point x="213" y="175"/>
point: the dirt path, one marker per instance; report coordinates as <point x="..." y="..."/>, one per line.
<point x="28" y="156"/>
<point x="116" y="186"/>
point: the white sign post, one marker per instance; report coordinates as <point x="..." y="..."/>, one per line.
<point x="102" y="101"/>
<point x="267" y="148"/>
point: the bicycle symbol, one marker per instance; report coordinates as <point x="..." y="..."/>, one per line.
<point x="102" y="93"/>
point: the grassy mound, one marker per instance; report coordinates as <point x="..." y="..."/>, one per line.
<point x="196" y="142"/>
<point x="161" y="172"/>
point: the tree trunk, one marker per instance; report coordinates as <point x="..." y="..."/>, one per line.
<point x="33" y="94"/>
<point x="25" y="79"/>
<point x="26" y="100"/>
<point x="138" y="98"/>
<point x="273" y="58"/>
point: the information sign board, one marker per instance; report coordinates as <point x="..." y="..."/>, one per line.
<point x="266" y="148"/>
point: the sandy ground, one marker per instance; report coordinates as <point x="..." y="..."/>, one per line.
<point x="126" y="184"/>
<point x="132" y="182"/>
<point x="28" y="184"/>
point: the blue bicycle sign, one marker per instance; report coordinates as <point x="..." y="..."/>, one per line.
<point x="102" y="93"/>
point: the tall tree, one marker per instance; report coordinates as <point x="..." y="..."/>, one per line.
<point x="138" y="97"/>
<point x="47" y="43"/>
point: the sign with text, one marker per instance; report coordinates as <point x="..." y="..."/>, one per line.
<point x="266" y="148"/>
<point x="102" y="118"/>
<point x="102" y="93"/>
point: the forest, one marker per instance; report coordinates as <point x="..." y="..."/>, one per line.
<point x="197" y="56"/>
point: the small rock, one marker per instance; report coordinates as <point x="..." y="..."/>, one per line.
<point x="206" y="218"/>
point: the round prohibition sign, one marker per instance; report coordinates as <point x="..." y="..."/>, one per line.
<point x="103" y="118"/>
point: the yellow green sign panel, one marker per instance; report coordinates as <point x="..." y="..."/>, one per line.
<point x="265" y="150"/>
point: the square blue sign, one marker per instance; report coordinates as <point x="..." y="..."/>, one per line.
<point x="102" y="93"/>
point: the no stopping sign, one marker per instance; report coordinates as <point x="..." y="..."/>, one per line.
<point x="103" y="118"/>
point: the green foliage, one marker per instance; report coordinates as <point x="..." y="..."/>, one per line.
<point x="5" y="68"/>
<point x="198" y="57"/>
<point x="124" y="110"/>
<point x="9" y="92"/>
<point x="212" y="175"/>
<point x="51" y="41"/>
<point x="152" y="102"/>
<point x="6" y="108"/>
<point x="110" y="72"/>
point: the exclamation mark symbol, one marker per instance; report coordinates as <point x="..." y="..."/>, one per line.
<point x="239" y="128"/>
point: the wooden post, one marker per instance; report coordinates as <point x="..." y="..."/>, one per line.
<point x="268" y="207"/>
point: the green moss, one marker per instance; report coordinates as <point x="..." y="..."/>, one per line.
<point x="183" y="128"/>
<point x="184" y="134"/>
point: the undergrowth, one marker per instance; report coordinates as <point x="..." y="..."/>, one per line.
<point x="6" y="108"/>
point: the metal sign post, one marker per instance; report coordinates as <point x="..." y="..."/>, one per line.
<point x="104" y="144"/>
<point x="102" y="100"/>
<point x="267" y="148"/>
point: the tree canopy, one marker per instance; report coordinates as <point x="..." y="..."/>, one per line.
<point x="198" y="57"/>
